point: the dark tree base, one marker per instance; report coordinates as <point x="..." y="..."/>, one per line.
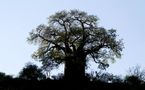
<point x="65" y="85"/>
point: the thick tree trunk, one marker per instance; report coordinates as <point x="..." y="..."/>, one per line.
<point x="75" y="68"/>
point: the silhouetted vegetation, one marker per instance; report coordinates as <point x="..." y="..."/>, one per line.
<point x="73" y="38"/>
<point x="4" y="77"/>
<point x="31" y="72"/>
<point x="94" y="81"/>
<point x="60" y="76"/>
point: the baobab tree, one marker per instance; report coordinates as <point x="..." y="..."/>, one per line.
<point x="73" y="38"/>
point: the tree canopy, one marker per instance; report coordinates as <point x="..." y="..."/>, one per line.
<point x="73" y="38"/>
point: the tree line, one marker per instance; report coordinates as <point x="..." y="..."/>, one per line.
<point x="32" y="76"/>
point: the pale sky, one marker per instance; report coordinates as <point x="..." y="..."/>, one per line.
<point x="19" y="17"/>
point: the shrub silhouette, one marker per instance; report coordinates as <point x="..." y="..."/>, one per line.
<point x="133" y="80"/>
<point x="59" y="76"/>
<point x="31" y="72"/>
<point x="4" y="77"/>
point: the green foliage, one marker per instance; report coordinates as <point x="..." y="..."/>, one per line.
<point x="74" y="35"/>
<point x="31" y="72"/>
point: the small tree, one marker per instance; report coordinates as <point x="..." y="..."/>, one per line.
<point x="73" y="38"/>
<point x="137" y="72"/>
<point x="135" y="76"/>
<point x="31" y="72"/>
<point x="133" y="80"/>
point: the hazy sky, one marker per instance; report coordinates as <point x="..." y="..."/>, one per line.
<point x="19" y="17"/>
